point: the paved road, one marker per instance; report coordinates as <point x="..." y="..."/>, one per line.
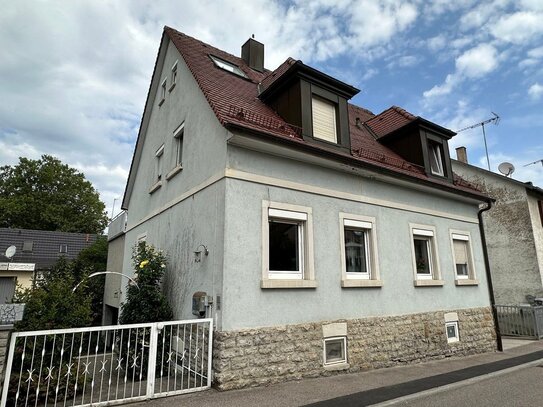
<point x="522" y="387"/>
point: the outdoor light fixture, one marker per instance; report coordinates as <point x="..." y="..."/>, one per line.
<point x="198" y="253"/>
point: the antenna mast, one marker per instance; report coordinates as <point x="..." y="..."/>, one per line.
<point x="496" y="120"/>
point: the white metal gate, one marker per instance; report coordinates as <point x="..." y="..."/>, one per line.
<point x="108" y="365"/>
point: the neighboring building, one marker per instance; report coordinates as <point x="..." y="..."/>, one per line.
<point x="324" y="236"/>
<point x="513" y="230"/>
<point x="36" y="251"/>
<point x="115" y="257"/>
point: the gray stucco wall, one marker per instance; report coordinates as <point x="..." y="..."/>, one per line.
<point x="114" y="284"/>
<point x="188" y="210"/>
<point x="509" y="234"/>
<point x="246" y="305"/>
<point x="537" y="228"/>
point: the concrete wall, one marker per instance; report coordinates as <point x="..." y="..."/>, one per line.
<point x="537" y="228"/>
<point x="247" y="305"/>
<point x="115" y="283"/>
<point x="188" y="209"/>
<point x="510" y="235"/>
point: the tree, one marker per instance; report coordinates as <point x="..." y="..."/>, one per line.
<point x="46" y="194"/>
<point x="145" y="301"/>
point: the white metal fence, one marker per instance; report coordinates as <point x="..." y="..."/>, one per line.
<point x="520" y="320"/>
<point x="108" y="365"/>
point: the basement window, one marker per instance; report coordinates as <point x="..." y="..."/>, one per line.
<point x="451" y="329"/>
<point x="227" y="66"/>
<point x="335" y="350"/>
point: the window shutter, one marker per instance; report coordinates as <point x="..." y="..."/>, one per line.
<point x="324" y="120"/>
<point x="460" y="252"/>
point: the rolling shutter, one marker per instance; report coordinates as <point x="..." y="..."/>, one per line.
<point x="324" y="120"/>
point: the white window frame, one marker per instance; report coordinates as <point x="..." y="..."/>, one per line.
<point x="465" y="236"/>
<point x="174" y="76"/>
<point x="163" y="91"/>
<point x="343" y="339"/>
<point x="317" y="99"/>
<point x="287" y="213"/>
<point x="455" y="338"/>
<point x="434" y="151"/>
<point x="355" y="279"/>
<point x="159" y="164"/>
<point x="427" y="233"/>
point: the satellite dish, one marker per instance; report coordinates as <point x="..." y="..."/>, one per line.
<point x="10" y="252"/>
<point x="506" y="168"/>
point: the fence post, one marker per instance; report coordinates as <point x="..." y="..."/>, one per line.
<point x="7" y="368"/>
<point x="152" y="360"/>
<point x="210" y="355"/>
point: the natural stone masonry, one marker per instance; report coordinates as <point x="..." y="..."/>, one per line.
<point x="261" y="356"/>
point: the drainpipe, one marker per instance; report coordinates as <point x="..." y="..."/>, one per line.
<point x="488" y="276"/>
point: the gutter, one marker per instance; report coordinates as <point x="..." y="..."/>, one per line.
<point x="488" y="276"/>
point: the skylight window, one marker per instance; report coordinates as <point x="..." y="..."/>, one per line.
<point x="227" y="66"/>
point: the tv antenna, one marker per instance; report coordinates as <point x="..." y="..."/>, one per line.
<point x="506" y="168"/>
<point x="495" y="120"/>
<point x="535" y="162"/>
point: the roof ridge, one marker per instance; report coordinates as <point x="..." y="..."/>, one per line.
<point x="404" y="112"/>
<point x="362" y="108"/>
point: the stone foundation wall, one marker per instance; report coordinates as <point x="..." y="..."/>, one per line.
<point x="262" y="356"/>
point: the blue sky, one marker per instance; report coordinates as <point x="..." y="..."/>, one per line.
<point x="74" y="75"/>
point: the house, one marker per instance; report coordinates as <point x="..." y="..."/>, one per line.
<point x="513" y="229"/>
<point x="319" y="236"/>
<point x="35" y="251"/>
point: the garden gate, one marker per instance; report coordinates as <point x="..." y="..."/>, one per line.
<point x="108" y="365"/>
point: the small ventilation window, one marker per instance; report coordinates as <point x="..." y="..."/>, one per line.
<point x="227" y="66"/>
<point x="63" y="248"/>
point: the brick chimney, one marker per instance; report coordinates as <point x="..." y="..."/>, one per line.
<point x="461" y="154"/>
<point x="252" y="52"/>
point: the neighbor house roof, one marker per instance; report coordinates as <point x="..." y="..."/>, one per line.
<point x="236" y="103"/>
<point x="42" y="246"/>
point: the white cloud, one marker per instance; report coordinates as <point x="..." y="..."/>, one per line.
<point x="535" y="91"/>
<point x="519" y="27"/>
<point x="477" y="61"/>
<point x="438" y="42"/>
<point x="443" y="89"/>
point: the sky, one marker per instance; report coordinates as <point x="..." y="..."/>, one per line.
<point x="74" y="75"/>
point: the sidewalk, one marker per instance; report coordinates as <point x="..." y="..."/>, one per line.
<point x="366" y="388"/>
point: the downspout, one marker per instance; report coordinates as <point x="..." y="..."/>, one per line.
<point x="488" y="276"/>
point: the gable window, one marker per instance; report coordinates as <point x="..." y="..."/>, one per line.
<point x="174" y="76"/>
<point x="287" y="245"/>
<point x="462" y="256"/>
<point x="435" y="152"/>
<point x="425" y="261"/>
<point x="162" y="92"/>
<point x="158" y="166"/>
<point x="324" y="120"/>
<point x="358" y="251"/>
<point x="227" y="66"/>
<point x="177" y="151"/>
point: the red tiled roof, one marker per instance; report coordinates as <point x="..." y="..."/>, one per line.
<point x="391" y="119"/>
<point x="234" y="100"/>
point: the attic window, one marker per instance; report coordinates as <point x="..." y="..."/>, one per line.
<point x="28" y="246"/>
<point x="227" y="66"/>
<point x="324" y="120"/>
<point x="436" y="158"/>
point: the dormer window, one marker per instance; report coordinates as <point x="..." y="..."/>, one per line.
<point x="436" y="158"/>
<point x="227" y="66"/>
<point x="324" y="120"/>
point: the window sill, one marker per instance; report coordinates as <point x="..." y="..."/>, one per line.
<point x="161" y="102"/>
<point x="339" y="366"/>
<point x="428" y="283"/>
<point x="173" y="172"/>
<point x="156" y="186"/>
<point x="465" y="281"/>
<point x="276" y="283"/>
<point x="171" y="87"/>
<point x="351" y="282"/>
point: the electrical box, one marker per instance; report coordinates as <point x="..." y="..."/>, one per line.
<point x="199" y="302"/>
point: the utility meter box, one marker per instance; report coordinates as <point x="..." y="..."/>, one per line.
<point x="199" y="300"/>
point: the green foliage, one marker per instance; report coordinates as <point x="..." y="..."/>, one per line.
<point x="52" y="304"/>
<point x="45" y="194"/>
<point x="146" y="302"/>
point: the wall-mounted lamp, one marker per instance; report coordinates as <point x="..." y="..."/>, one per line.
<point x="198" y="253"/>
